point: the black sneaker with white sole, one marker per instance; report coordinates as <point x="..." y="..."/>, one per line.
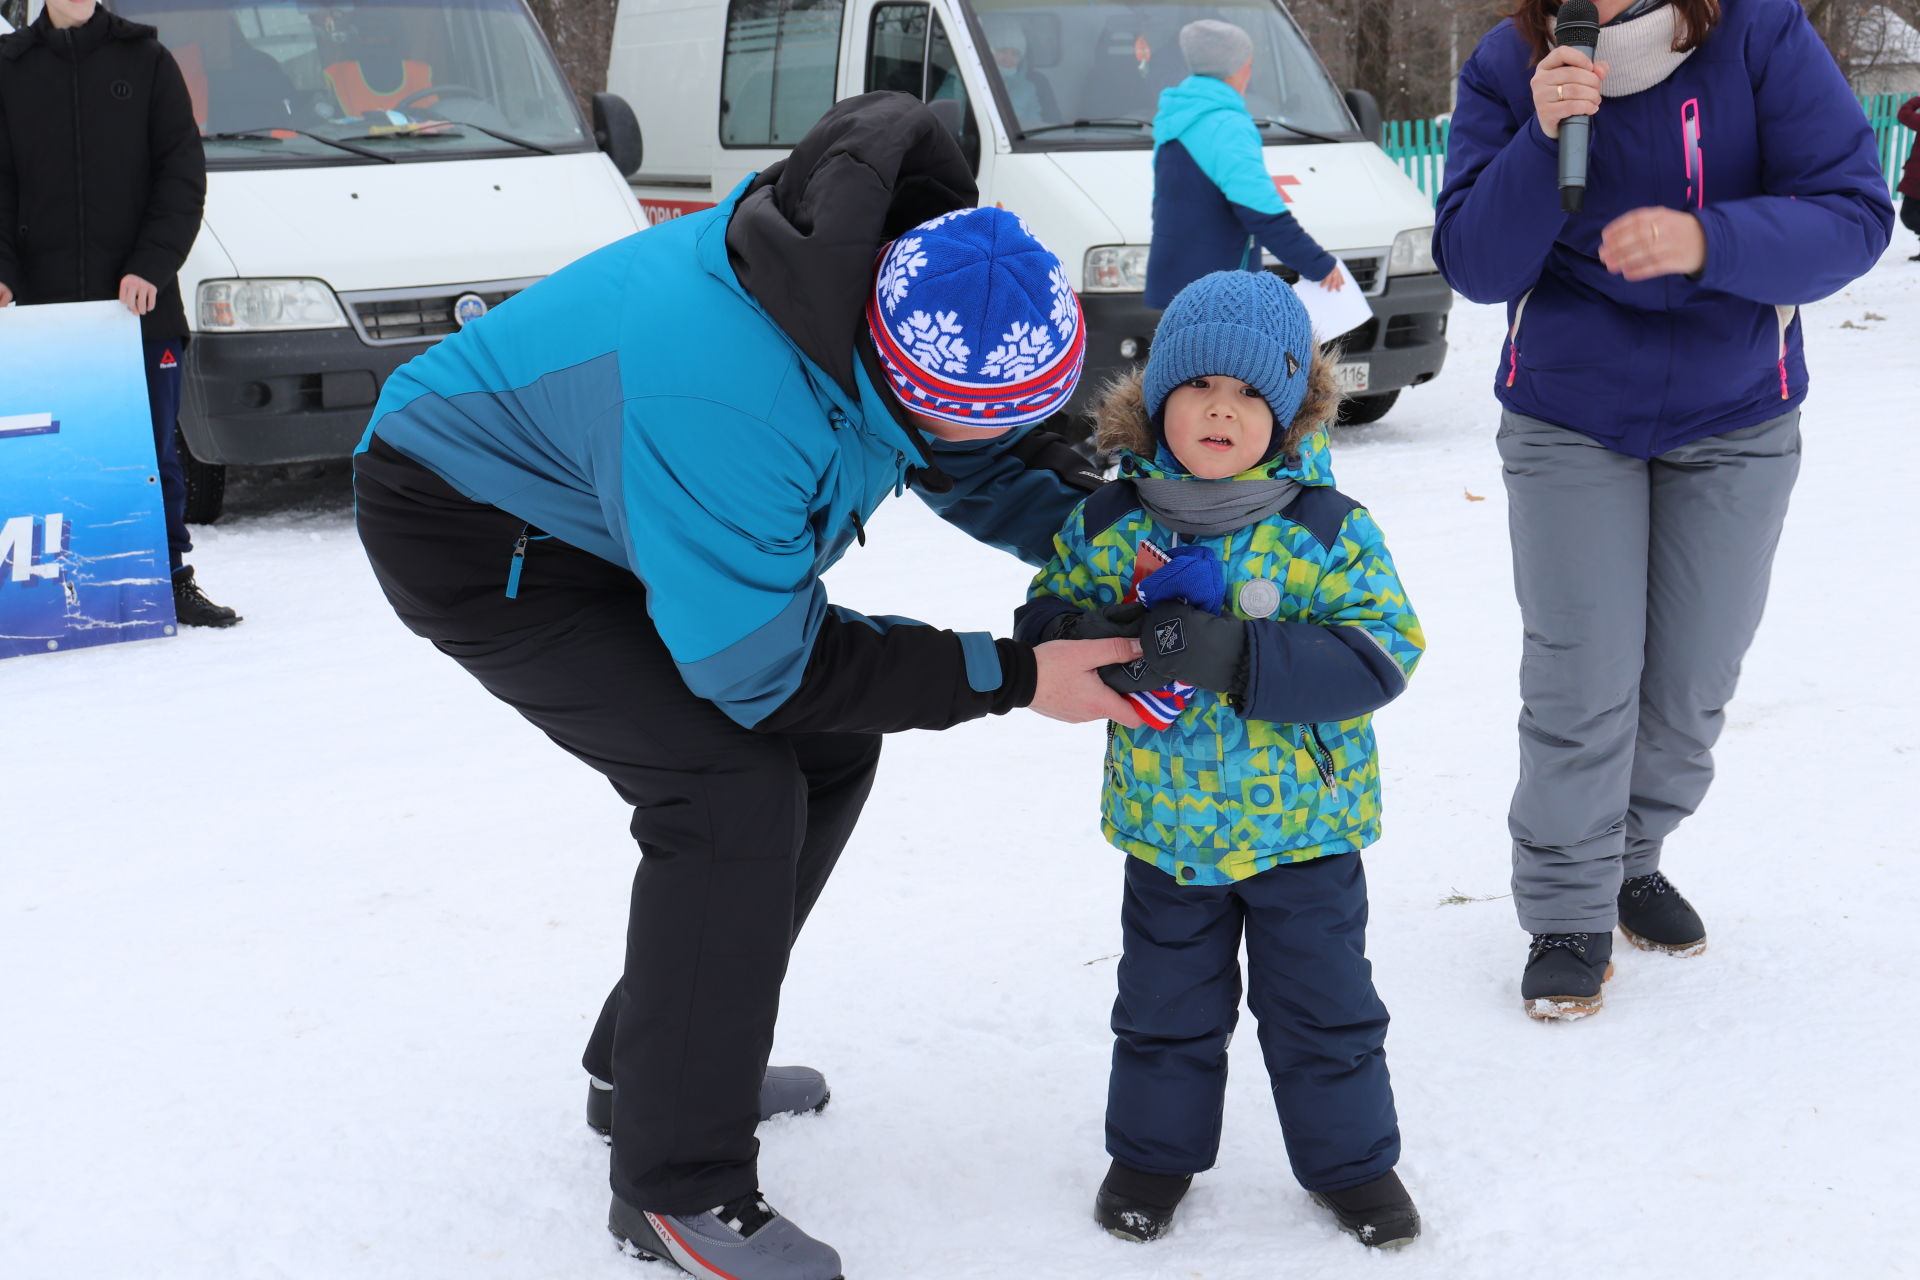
<point x="743" y="1239"/>
<point x="1654" y="916"/>
<point x="1138" y="1206"/>
<point x="785" y="1091"/>
<point x="1565" y="975"/>
<point x="1379" y="1214"/>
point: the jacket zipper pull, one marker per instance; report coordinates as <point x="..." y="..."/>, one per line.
<point x="1310" y="739"/>
<point x="518" y="562"/>
<point x="859" y="530"/>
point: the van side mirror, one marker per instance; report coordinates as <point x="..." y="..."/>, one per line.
<point x="1366" y="113"/>
<point x="616" y="131"/>
<point x="952" y="113"/>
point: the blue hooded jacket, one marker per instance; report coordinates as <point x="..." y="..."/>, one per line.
<point x="690" y="403"/>
<point x="1793" y="204"/>
<point x="1211" y="191"/>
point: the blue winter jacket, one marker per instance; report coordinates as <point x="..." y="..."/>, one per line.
<point x="642" y="404"/>
<point x="1288" y="770"/>
<point x="1211" y="191"/>
<point x="1793" y="203"/>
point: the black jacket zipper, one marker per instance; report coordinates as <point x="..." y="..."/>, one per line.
<point x="1322" y="758"/>
<point x="79" y="172"/>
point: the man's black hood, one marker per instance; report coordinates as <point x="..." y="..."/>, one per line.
<point x="804" y="237"/>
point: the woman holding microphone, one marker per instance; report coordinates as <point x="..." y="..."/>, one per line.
<point x="1651" y="385"/>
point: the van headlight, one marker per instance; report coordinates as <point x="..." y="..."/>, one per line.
<point x="1412" y="253"/>
<point x="255" y="306"/>
<point x="1116" y="268"/>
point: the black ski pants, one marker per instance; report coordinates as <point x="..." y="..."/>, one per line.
<point x="738" y="831"/>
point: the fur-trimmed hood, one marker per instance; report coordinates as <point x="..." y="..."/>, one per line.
<point x="1122" y="425"/>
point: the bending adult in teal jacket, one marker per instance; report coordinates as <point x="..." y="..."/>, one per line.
<point x="612" y="500"/>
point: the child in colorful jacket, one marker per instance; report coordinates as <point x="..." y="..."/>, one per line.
<point x="1247" y="813"/>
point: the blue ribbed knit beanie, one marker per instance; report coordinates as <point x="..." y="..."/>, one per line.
<point x="1236" y="324"/>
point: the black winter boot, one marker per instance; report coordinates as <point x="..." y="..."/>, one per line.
<point x="1379" y="1214"/>
<point x="1564" y="974"/>
<point x="1138" y="1206"/>
<point x="192" y="609"/>
<point x="1655" y="917"/>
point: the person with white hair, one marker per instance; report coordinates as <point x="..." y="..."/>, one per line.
<point x="1214" y="205"/>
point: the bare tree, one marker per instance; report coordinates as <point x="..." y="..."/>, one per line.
<point x="581" y="33"/>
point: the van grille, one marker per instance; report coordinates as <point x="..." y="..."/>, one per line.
<point x="385" y="317"/>
<point x="1366" y="272"/>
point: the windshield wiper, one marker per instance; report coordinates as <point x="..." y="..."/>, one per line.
<point x="1111" y="122"/>
<point x="1277" y="123"/>
<point x="266" y="133"/>
<point x="441" y="129"/>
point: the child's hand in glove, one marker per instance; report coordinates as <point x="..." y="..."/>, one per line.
<point x="1098" y="624"/>
<point x="1194" y="646"/>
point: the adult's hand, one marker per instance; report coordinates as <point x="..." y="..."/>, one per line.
<point x="1566" y="83"/>
<point x="6" y="294"/>
<point x="1069" y="687"/>
<point x="1647" y="243"/>
<point x="138" y="295"/>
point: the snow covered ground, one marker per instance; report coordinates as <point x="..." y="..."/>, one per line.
<point x="301" y="934"/>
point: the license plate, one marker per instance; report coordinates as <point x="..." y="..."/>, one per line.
<point x="1351" y="377"/>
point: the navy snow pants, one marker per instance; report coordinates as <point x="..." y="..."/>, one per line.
<point x="1309" y="985"/>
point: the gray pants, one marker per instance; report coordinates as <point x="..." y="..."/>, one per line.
<point x="1641" y="584"/>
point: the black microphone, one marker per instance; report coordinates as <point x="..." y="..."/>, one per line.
<point x="1578" y="27"/>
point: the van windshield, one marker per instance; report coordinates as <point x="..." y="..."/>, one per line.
<point x="299" y="82"/>
<point x="1080" y="75"/>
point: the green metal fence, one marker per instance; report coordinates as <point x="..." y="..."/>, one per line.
<point x="1419" y="147"/>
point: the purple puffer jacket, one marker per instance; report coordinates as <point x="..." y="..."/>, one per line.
<point x="1792" y="200"/>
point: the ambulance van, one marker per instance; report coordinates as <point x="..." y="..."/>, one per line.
<point x="1053" y="103"/>
<point x="379" y="174"/>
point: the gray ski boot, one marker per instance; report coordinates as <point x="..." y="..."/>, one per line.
<point x="786" y="1091"/>
<point x="743" y="1239"/>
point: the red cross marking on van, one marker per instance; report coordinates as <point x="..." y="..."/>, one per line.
<point x="1281" y="182"/>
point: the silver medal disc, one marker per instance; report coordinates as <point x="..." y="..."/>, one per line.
<point x="1259" y="598"/>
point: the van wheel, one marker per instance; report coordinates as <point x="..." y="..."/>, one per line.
<point x="206" y="484"/>
<point x="1357" y="411"/>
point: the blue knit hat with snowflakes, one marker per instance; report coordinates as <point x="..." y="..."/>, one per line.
<point x="975" y="321"/>
<point x="1235" y="324"/>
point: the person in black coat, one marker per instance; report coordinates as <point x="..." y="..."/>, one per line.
<point x="102" y="181"/>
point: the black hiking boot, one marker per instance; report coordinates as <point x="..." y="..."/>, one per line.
<point x="1379" y="1214"/>
<point x="1138" y="1206"/>
<point x="1564" y="974"/>
<point x="191" y="608"/>
<point x="1655" y="917"/>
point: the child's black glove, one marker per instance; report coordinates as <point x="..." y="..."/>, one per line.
<point x="1097" y="624"/>
<point x="1192" y="645"/>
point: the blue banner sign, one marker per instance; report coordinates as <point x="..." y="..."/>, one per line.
<point x="83" y="538"/>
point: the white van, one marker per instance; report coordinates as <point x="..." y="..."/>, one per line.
<point x="1053" y="101"/>
<point x="379" y="173"/>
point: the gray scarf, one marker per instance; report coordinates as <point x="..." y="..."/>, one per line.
<point x="1209" y="508"/>
<point x="1638" y="50"/>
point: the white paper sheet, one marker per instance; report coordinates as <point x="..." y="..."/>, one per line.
<point x="1334" y="313"/>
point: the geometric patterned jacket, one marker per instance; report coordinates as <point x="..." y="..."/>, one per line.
<point x="1229" y="790"/>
